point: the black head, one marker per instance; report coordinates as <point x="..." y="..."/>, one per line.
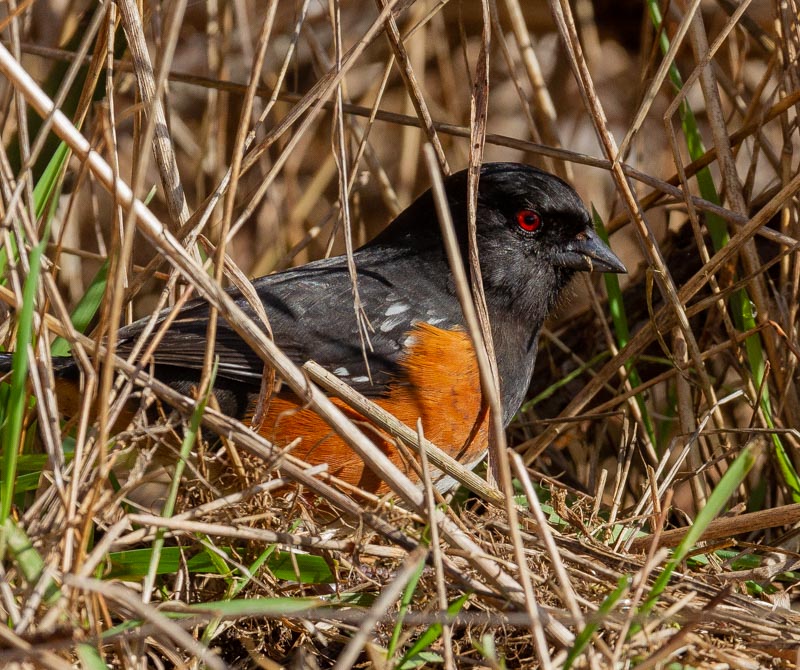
<point x="534" y="233"/>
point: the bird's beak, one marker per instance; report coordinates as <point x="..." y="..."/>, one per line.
<point x="590" y="254"/>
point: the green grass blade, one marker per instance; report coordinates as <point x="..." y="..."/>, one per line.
<point x="18" y="394"/>
<point x="17" y="397"/>
<point x="405" y="603"/>
<point x="85" y="310"/>
<point x="430" y="635"/>
<point x="133" y="564"/>
<point x="310" y="569"/>
<point x="48" y="186"/>
<point x="45" y="191"/>
<point x="90" y="657"/>
<point x="26" y="558"/>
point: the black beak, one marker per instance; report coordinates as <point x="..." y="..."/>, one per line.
<point x="588" y="253"/>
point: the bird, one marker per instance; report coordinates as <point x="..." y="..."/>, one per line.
<point x="415" y="358"/>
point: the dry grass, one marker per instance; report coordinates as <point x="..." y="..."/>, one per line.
<point x="292" y="125"/>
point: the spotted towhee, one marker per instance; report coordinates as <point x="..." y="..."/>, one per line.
<point x="415" y="357"/>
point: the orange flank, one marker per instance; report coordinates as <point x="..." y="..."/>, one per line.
<point x="438" y="382"/>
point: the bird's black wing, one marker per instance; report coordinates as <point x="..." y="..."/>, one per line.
<point x="311" y="314"/>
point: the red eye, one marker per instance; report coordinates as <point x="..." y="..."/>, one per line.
<point x="529" y="220"/>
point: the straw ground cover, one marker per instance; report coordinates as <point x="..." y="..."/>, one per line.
<point x="655" y="489"/>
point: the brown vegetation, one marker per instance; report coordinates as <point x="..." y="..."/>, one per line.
<point x="253" y="121"/>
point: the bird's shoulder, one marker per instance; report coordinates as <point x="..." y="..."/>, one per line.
<point x="312" y="315"/>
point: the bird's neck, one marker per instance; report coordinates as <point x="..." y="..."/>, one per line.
<point x="515" y="346"/>
<point x="517" y="320"/>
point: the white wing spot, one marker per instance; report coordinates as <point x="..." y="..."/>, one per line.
<point x="391" y="323"/>
<point x="341" y="372"/>
<point x="399" y="308"/>
<point x="360" y="380"/>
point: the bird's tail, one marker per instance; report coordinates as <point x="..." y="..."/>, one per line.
<point x="5" y="362"/>
<point x="63" y="366"/>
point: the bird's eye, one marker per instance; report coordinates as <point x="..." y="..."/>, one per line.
<point x="528" y="220"/>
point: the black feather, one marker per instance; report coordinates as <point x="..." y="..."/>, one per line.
<point x="403" y="279"/>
